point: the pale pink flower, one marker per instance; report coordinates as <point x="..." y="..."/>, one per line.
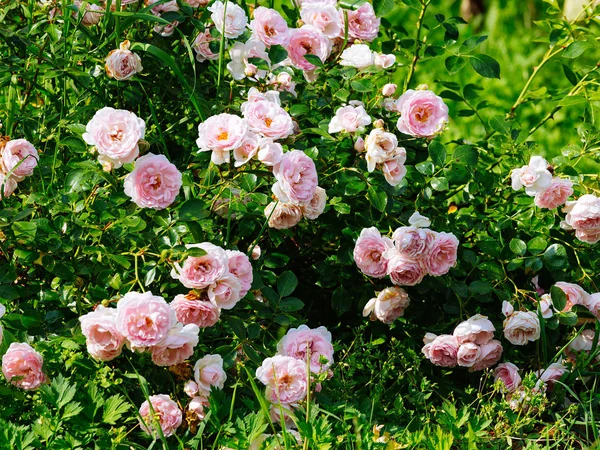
<point x="545" y="305"/>
<point x="268" y="119"/>
<point x="269" y="26"/>
<point x="240" y="267"/>
<point x="416" y="219"/>
<point x="384" y="61"/>
<point x="551" y="374"/>
<point x="490" y="353"/>
<point x="285" y="378"/>
<point x="7" y="185"/>
<point x="222" y="132"/>
<point x="157" y="10"/>
<point x="554" y="195"/>
<point x="592" y="302"/>
<point x="507" y="309"/>
<point x="199" y="272"/>
<point x="522" y="327"/>
<point x="115" y="133"/>
<point x="478" y="329"/>
<point x="389" y="89"/>
<point x="22" y="366"/>
<point x="381" y="146"/>
<point x="275" y="412"/>
<point x="304" y="342"/>
<point x="283" y="82"/>
<point x="584" y="342"/>
<point x="535" y="176"/>
<point x="269" y="153"/>
<point x="199" y="405"/>
<point x="467" y="354"/>
<point x="209" y="373"/>
<point x="166" y="413"/>
<point x="177" y="346"/>
<point x="122" y="64"/>
<point x="240" y="67"/>
<point x="296" y="177"/>
<point x="256" y="252"/>
<point x="508" y="374"/>
<point x="589" y="236"/>
<point x="576" y="295"/>
<point x="349" y="119"/>
<point x="315" y="207"/>
<point x="201" y="46"/>
<point x="92" y="14"/>
<point x="18" y="151"/>
<point x="359" y="56"/>
<point x="190" y="388"/>
<point x="225" y="292"/>
<point x="230" y="20"/>
<point x="307" y="40"/>
<point x="283" y="215"/>
<point x="104" y="342"/>
<point x="413" y="241"/>
<point x="442" y="351"/>
<point x="254" y="95"/>
<point x="197" y="3"/>
<point x="359" y="145"/>
<point x="389" y="304"/>
<point x="363" y="24"/>
<point x="324" y="17"/>
<point x="422" y="113"/>
<point x="393" y="169"/>
<point x="584" y="213"/>
<point x="247" y="150"/>
<point x="369" y="250"/>
<point x="404" y="270"/>
<point x="144" y="319"/>
<point x="442" y="254"/>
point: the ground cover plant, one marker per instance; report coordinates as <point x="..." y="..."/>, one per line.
<point x="309" y="225"/>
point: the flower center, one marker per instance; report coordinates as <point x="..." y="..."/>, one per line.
<point x="223" y="136"/>
<point x="422" y="115"/>
<point x="116" y="134"/>
<point x="268" y="121"/>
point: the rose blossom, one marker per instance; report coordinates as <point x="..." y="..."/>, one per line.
<point x="269" y="153"/>
<point x="268" y="119"/>
<point x="222" y="132"/>
<point x="384" y="61"/>
<point x="427" y="340"/>
<point x="208" y="372"/>
<point x="535" y="177"/>
<point x="7" y="186"/>
<point x="584" y="213"/>
<point x="303" y="342"/>
<point x="478" y="329"/>
<point x="315" y="207"/>
<point x="122" y="64"/>
<point x="201" y="46"/>
<point x="240" y="267"/>
<point x="349" y="119"/>
<point x="269" y="26"/>
<point x="422" y="113"/>
<point x="230" y="20"/>
<point x="508" y="374"/>
<point x="551" y="375"/>
<point x="418" y="220"/>
<point x="412" y="241"/>
<point x="592" y="302"/>
<point x="388" y="305"/>
<point x="467" y="354"/>
<point x="575" y="294"/>
<point x="153" y="183"/>
<point x="359" y="56"/>
<point x="307" y="40"/>
<point x="369" y="250"/>
<point x="22" y="366"/>
<point x="296" y="177"/>
<point x="144" y="319"/>
<point x="254" y="95"/>
<point x="545" y="305"/>
<point x="283" y="82"/>
<point x="239" y="66"/>
<point x="363" y="24"/>
<point x="190" y="388"/>
<point x="522" y="327"/>
<point x="283" y="215"/>
<point x="589" y="236"/>
<point x="404" y="270"/>
<point x="247" y="150"/>
<point x="104" y="342"/>
<point x="18" y="151"/>
<point x="442" y="254"/>
<point x="554" y="195"/>
<point x="285" y="378"/>
<point x="196" y="3"/>
<point x="177" y="346"/>
<point x="91" y="15"/>
<point x="381" y="146"/>
<point x="116" y="134"/>
<point x="256" y="252"/>
<point x="324" y="17"/>
<point x="394" y="169"/>
<point x="166" y="412"/>
<point x="490" y="354"/>
<point x="199" y="272"/>
<point x="442" y="351"/>
<point x="389" y="89"/>
<point x="225" y="292"/>
<point x="199" y="405"/>
<point x="583" y="342"/>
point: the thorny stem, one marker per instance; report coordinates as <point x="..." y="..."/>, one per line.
<point x="411" y="72"/>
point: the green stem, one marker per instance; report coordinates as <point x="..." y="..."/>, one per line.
<point x="418" y="43"/>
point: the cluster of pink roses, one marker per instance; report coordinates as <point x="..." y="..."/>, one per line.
<point x="412" y="253"/>
<point x="583" y="216"/>
<point x="22" y="366"/>
<point x="576" y="295"/>
<point x="549" y="192"/>
<point x="18" y="159"/>
<point x="471" y="345"/>
<point x="208" y="374"/>
<point x="116" y="134"/>
<point x="301" y="352"/>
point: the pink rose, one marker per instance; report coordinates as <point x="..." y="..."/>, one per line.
<point x="508" y="374"/>
<point x="122" y="64"/>
<point x="247" y="150"/>
<point x="388" y="305"/>
<point x="13" y="153"/>
<point x="283" y="82"/>
<point x="478" y="329"/>
<point x="389" y="89"/>
<point x="468" y="353"/>
<point x="269" y="26"/>
<point x="369" y="250"/>
<point x="583" y="342"/>
<point x="589" y="236"/>
<point x="144" y="319"/>
<point x="166" y="413"/>
<point x="296" y="177"/>
<point x="394" y="169"/>
<point x="443" y="350"/>
<point x="381" y="146"/>
<point x="199" y="272"/>
<point x="177" y="346"/>
<point x="225" y="292"/>
<point x="575" y="294"/>
<point x="323" y="17"/>
<point x="199" y="405"/>
<point x="256" y="252"/>
<point x="190" y="388"/>
<point x="359" y="145"/>
<point x="307" y="40"/>
<point x="283" y="215"/>
<point x="92" y="14"/>
<point x="413" y="241"/>
<point x="442" y="254"/>
<point x="584" y="214"/>
<point x="201" y="46"/>
<point x="315" y="207"/>
<point x="22" y="366"/>
<point x="285" y="378"/>
<point x="592" y="302"/>
<point x="522" y="327"/>
<point x="240" y="65"/>
<point x="115" y="133"/>
<point x="302" y="343"/>
<point x="230" y="20"/>
<point x="535" y="177"/>
<point x="404" y="270"/>
<point x="104" y="342"/>
<point x="208" y="373"/>
<point x="490" y="354"/>
<point x="363" y="24"/>
<point x="551" y="375"/>
<point x="554" y="195"/>
<point x="269" y="153"/>
<point x="153" y="183"/>
<point x="423" y="114"/>
<point x="7" y="186"/>
<point x="349" y="119"/>
<point x="545" y="305"/>
<point x="222" y="132"/>
<point x="239" y="265"/>
<point x="268" y="119"/>
<point x="384" y="61"/>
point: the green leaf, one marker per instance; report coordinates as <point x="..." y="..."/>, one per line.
<point x="114" y="408"/>
<point x="259" y="63"/>
<point x="195" y="252"/>
<point x="277" y="54"/>
<point x="559" y="298"/>
<point x="537" y="245"/>
<point x="437" y="153"/>
<point x="25" y="230"/>
<point x="466" y="155"/>
<point x="500" y="125"/>
<point x="485" y="65"/>
<point x="362" y="85"/>
<point x="480" y="287"/>
<point x="426" y="168"/>
<point x="378" y="198"/>
<point x="383" y="7"/>
<point x="75" y="144"/>
<point x="291" y="304"/>
<point x="576" y="49"/>
<point x="193" y="209"/>
<point x="439" y="184"/>
<point x="518" y="247"/>
<point x="567" y="318"/>
<point x="286" y="283"/>
<point x="454" y="64"/>
<point x="314" y="60"/>
<point x="472" y="43"/>
<point x="555" y="257"/>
